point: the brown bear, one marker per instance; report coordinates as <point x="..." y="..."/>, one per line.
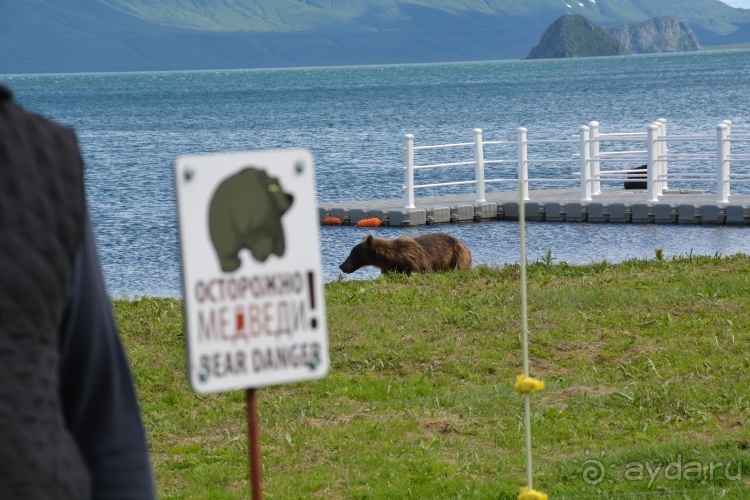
<point x="424" y="254"/>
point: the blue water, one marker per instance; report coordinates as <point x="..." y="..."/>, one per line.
<point x="132" y="127"/>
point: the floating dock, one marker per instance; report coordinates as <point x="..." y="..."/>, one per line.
<point x="615" y="205"/>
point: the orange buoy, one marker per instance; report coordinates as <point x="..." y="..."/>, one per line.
<point x="332" y="221"/>
<point x="372" y="222"/>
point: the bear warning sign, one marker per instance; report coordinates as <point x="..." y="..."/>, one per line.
<point x="253" y="291"/>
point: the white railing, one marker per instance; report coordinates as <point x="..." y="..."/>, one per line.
<point x="591" y="151"/>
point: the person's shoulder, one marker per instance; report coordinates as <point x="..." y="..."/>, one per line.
<point x="14" y="113"/>
<point x="5" y="93"/>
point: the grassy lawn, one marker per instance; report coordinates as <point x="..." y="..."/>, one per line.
<point x="646" y="368"/>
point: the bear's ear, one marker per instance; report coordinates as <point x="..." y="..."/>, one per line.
<point x="367" y="240"/>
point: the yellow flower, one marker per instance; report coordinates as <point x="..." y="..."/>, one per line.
<point x="528" y="494"/>
<point x="526" y="385"/>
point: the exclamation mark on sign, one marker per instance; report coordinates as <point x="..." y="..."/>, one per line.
<point x="311" y="286"/>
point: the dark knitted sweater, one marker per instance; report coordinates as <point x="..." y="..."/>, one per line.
<point x="70" y="425"/>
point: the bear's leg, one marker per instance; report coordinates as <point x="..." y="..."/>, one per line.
<point x="261" y="247"/>
<point x="226" y="244"/>
<point x="279" y="244"/>
<point x="229" y="263"/>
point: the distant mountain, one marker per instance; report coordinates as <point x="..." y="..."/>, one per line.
<point x="575" y="36"/>
<point x="134" y="35"/>
<point x="741" y="35"/>
<point x="659" y="34"/>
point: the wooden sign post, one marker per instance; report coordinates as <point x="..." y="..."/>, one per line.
<point x="253" y="438"/>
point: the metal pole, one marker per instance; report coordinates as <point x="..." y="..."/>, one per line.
<point x="651" y="167"/>
<point x="722" y="163"/>
<point x="596" y="187"/>
<point x="524" y="324"/>
<point x="253" y="434"/>
<point x="523" y="165"/>
<point x="729" y="156"/>
<point x="409" y="171"/>
<point x="585" y="168"/>
<point x="663" y="162"/>
<point x="479" y="168"/>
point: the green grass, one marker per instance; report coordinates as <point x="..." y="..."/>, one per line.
<point x="646" y="368"/>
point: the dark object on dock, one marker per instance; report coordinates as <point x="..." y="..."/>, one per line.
<point x="641" y="184"/>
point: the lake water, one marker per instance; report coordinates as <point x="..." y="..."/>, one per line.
<point x="132" y="127"/>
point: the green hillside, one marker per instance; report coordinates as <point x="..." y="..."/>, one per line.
<point x="128" y="35"/>
<point x="293" y="15"/>
<point x="575" y="36"/>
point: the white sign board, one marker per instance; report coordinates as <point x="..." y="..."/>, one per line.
<point x="253" y="289"/>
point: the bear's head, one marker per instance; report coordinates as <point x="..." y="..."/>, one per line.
<point x="279" y="199"/>
<point x="361" y="255"/>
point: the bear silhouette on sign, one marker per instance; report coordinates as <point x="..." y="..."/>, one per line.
<point x="245" y="212"/>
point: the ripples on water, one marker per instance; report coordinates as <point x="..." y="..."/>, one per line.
<point x="133" y="126"/>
